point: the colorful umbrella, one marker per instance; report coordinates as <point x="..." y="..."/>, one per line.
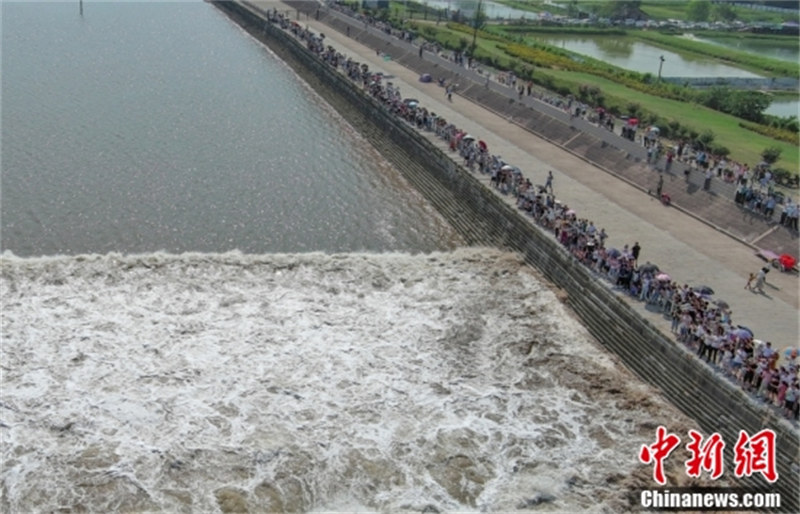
<point x="705" y="290"/>
<point x="768" y="255"/>
<point x="787" y="261"/>
<point x="649" y="268"/>
<point x="662" y="277"/>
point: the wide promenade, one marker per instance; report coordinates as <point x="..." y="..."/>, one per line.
<point x="689" y="248"/>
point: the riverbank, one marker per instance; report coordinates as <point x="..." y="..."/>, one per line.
<point x="623" y="222"/>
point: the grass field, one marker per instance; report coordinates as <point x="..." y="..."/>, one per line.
<point x="745" y="146"/>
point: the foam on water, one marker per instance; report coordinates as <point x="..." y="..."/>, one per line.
<point x="301" y="382"/>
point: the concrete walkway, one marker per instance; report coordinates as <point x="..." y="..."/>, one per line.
<point x="689" y="250"/>
<point x="620" y="157"/>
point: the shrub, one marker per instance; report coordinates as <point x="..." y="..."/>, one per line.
<point x="771" y="154"/>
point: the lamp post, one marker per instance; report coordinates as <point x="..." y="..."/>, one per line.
<point x="660" y="64"/>
<point x="475" y="31"/>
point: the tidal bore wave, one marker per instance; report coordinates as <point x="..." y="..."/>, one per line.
<point x="231" y="382"/>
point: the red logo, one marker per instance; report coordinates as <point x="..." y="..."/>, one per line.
<point x="754" y="454"/>
<point x="705" y="456"/>
<point x="659" y="451"/>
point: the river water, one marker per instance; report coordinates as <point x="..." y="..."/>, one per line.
<point x="306" y="351"/>
<point x="146" y="127"/>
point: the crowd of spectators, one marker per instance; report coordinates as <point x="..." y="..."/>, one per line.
<point x="697" y="319"/>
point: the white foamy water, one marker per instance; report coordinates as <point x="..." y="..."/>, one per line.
<point x="229" y="382"/>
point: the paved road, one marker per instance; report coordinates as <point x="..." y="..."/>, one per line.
<point x="691" y="251"/>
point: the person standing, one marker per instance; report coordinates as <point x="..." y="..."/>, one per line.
<point x="707" y="183"/>
<point x="660" y="185"/>
<point x="635" y="252"/>
<point x="761" y="279"/>
<point x="750" y="279"/>
<point x="549" y="184"/>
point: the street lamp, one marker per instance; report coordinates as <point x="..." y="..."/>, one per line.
<point x="475" y="31"/>
<point x="660" y="64"/>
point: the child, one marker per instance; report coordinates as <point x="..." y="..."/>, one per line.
<point x="750" y="279"/>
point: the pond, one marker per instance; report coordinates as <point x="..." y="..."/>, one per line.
<point x="784" y="50"/>
<point x="784" y="107"/>
<point x="643" y="58"/>
<point x="491" y="9"/>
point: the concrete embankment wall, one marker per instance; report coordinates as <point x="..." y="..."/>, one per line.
<point x="483" y="218"/>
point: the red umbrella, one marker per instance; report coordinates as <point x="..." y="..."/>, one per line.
<point x="482" y="145"/>
<point x="787" y="261"/>
<point x="633" y="121"/>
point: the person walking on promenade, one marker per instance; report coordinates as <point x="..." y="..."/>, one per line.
<point x="549" y="184"/>
<point x="761" y="279"/>
<point x="660" y="186"/>
<point x="707" y="183"/>
<point x="635" y="252"/>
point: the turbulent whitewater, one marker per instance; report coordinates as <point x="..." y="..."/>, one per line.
<point x="232" y="382"/>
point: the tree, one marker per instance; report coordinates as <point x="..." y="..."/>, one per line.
<point x="572" y="9"/>
<point x="771" y="154"/>
<point x="620" y="10"/>
<point x="698" y="10"/>
<point x="706" y="138"/>
<point x="716" y="97"/>
<point x="747" y="104"/>
<point x="724" y="12"/>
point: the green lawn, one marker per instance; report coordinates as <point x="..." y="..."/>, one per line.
<point x="745" y="146"/>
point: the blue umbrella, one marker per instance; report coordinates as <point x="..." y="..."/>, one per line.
<point x="742" y="333"/>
